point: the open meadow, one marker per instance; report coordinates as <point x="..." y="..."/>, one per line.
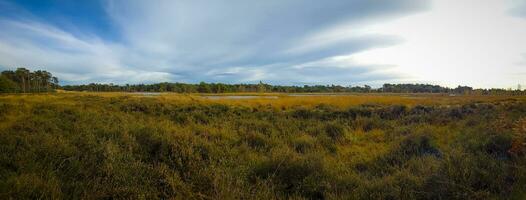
<point x="263" y="100"/>
<point x="71" y="145"/>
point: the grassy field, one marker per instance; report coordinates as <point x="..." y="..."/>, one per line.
<point x="77" y="145"/>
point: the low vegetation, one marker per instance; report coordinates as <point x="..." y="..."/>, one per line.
<point x="82" y="145"/>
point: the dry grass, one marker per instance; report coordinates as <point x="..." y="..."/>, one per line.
<point x="128" y="145"/>
<point x="284" y="100"/>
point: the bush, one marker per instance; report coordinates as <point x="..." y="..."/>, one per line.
<point x="499" y="146"/>
<point x="256" y="141"/>
<point x="335" y="131"/>
<point x="304" y="143"/>
<point x="418" y="145"/>
<point x="392" y="112"/>
<point x="464" y="176"/>
<point x="293" y="176"/>
<point x="410" y="147"/>
<point x="360" y="111"/>
<point x="518" y="146"/>
<point x="304" y="114"/>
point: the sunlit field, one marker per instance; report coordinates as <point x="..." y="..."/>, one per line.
<point x="353" y="146"/>
<point x="271" y="99"/>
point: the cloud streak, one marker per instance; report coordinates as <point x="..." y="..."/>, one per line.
<point x="192" y="41"/>
<point x="276" y="41"/>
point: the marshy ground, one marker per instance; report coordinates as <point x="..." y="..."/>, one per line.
<point x="262" y="146"/>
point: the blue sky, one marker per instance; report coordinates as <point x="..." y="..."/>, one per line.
<point x="292" y="42"/>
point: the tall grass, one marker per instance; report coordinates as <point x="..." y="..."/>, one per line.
<point x="117" y="145"/>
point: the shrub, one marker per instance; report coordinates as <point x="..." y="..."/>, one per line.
<point x="4" y="110"/>
<point x="368" y="124"/>
<point x="421" y="110"/>
<point x="292" y="175"/>
<point x="360" y="111"/>
<point x="410" y="147"/>
<point x="303" y="114"/>
<point x="392" y="112"/>
<point x="256" y="141"/>
<point x="518" y="146"/>
<point x="499" y="146"/>
<point x="304" y="143"/>
<point x="417" y="145"/>
<point x="335" y="131"/>
<point x="465" y="176"/>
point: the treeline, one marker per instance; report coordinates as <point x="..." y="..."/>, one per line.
<point x="427" y="88"/>
<point x="26" y="81"/>
<point x="212" y="88"/>
<point x="262" y="87"/>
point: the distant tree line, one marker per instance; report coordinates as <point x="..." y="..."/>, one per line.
<point x="23" y="80"/>
<point x="262" y="87"/>
<point x="212" y="88"/>
<point x="427" y="88"/>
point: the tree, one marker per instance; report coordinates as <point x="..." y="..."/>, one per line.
<point x="27" y="81"/>
<point x="24" y="75"/>
<point x="162" y="87"/>
<point x="367" y="88"/>
<point x="10" y="75"/>
<point x="7" y="85"/>
<point x="54" y="80"/>
<point x="46" y="77"/>
<point x="37" y="79"/>
<point x="261" y="87"/>
<point x="204" y="88"/>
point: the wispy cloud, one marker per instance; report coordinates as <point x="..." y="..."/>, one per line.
<point x="200" y="40"/>
<point x="277" y="41"/>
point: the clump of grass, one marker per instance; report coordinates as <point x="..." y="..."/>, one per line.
<point x="304" y="143"/>
<point x="335" y="131"/>
<point x="293" y="175"/>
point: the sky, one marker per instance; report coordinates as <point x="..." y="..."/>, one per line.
<point x="480" y="43"/>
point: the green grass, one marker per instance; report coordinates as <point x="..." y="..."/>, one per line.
<point x="91" y="146"/>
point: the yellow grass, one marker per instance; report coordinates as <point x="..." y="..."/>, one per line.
<point x="281" y="100"/>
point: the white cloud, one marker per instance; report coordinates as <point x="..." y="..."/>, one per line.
<point x="468" y="42"/>
<point x="36" y="45"/>
<point x="199" y="40"/>
<point x="199" y="37"/>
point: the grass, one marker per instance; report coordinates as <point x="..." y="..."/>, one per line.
<point x="75" y="145"/>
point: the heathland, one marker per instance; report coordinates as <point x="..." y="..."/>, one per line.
<point x="81" y="145"/>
